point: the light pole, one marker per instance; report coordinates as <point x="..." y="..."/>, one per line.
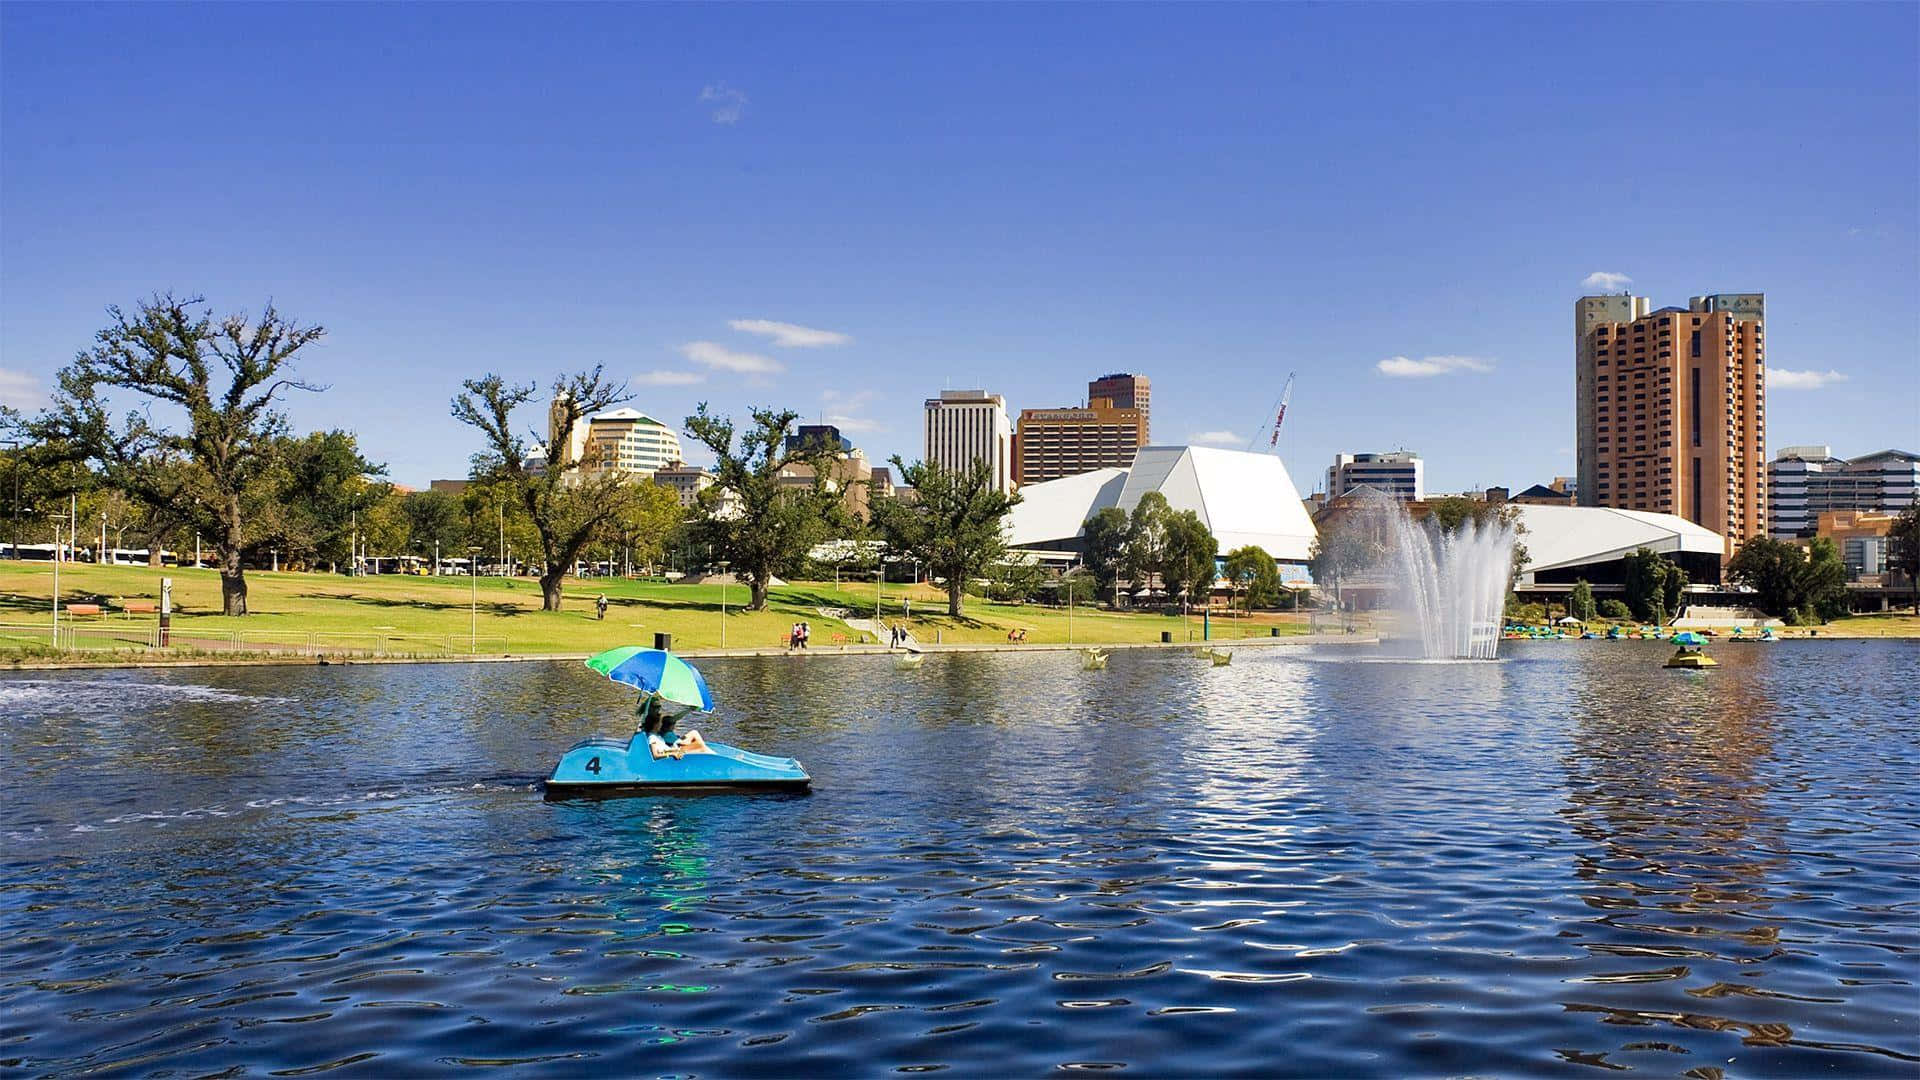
<point x="13" y="466"/>
<point x="473" y="605"/>
<point x="723" y="602"/>
<point x="55" y="515"/>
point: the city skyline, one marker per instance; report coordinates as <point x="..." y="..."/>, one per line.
<point x="765" y="206"/>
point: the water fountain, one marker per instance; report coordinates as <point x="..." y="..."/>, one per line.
<point x="1450" y="585"/>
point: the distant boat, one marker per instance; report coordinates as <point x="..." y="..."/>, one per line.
<point x="1093" y="660"/>
<point x="909" y="661"/>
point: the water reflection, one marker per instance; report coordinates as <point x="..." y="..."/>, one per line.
<point x="1568" y="859"/>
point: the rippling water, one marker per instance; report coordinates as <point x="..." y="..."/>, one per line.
<point x="1565" y="861"/>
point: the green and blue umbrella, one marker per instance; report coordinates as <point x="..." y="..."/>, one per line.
<point x="1688" y="637"/>
<point x="655" y="671"/>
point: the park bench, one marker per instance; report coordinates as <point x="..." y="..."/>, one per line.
<point x="140" y="607"/>
<point x="83" y="609"/>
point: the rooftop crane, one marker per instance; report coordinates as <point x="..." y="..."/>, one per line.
<point x="1279" y="415"/>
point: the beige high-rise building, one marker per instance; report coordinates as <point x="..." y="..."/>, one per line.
<point x="1052" y="443"/>
<point x="1671" y="408"/>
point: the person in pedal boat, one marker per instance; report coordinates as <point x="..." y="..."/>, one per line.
<point x="656" y="722"/>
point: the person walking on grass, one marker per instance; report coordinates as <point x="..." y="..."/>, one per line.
<point x="600" y="607"/>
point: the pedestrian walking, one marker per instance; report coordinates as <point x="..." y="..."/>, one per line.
<point x="600" y="607"/>
<point x="806" y="632"/>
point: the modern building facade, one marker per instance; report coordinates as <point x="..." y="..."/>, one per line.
<point x="968" y="426"/>
<point x="1671" y="408"/>
<point x="1123" y="390"/>
<point x="1400" y="474"/>
<point x="1804" y="482"/>
<point x="1053" y="443"/>
<point x="630" y="441"/>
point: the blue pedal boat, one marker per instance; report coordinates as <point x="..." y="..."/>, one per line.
<point x="656" y="759"/>
<point x="602" y="767"/>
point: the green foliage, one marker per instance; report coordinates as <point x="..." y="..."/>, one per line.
<point x="1580" y="602"/>
<point x="1790" y="581"/>
<point x="1450" y="512"/>
<point x="759" y="525"/>
<point x="1015" y="581"/>
<point x="324" y="481"/>
<point x="437" y="521"/>
<point x="1615" y="609"/>
<point x="1106" y="539"/>
<point x="1255" y="576"/>
<point x="1147" y="540"/>
<point x="1187" y="562"/>
<point x="1532" y="614"/>
<point x="1654" y="585"/>
<point x="953" y="524"/>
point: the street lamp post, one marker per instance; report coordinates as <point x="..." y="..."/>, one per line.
<point x="13" y="466"/>
<point x="56" y="577"/>
<point x="473" y="606"/>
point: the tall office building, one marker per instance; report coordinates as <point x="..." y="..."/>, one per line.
<point x="1053" y="443"/>
<point x="965" y="426"/>
<point x="1671" y="408"/>
<point x="1124" y="391"/>
<point x="1804" y="482"/>
<point x="1400" y="474"/>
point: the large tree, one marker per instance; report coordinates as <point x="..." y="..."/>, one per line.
<point x="223" y="377"/>
<point x="1255" y="576"/>
<point x="1106" y="539"/>
<point x="327" y="485"/>
<point x="1147" y="539"/>
<point x="955" y="524"/>
<point x="1187" y="561"/>
<point x="437" y="523"/>
<point x="569" y="501"/>
<point x="752" y="519"/>
<point x="1653" y="584"/>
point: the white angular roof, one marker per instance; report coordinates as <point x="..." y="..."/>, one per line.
<point x="1560" y="536"/>
<point x="1243" y="498"/>
<point x="1057" y="509"/>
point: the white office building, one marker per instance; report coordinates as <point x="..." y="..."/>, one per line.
<point x="630" y="441"/>
<point x="1400" y="474"/>
<point x="1804" y="482"/>
<point x="966" y="426"/>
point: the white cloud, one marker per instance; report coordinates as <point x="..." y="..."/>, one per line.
<point x="1607" y="280"/>
<point x="1217" y="438"/>
<point x="1782" y="379"/>
<point x="20" y="390"/>
<point x="843" y="411"/>
<point x="724" y="103"/>
<point x="720" y="358"/>
<point x="790" y="335"/>
<point x="668" y="378"/>
<point x="1403" y="367"/>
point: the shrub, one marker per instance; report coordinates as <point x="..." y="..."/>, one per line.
<point x="1615" y="609"/>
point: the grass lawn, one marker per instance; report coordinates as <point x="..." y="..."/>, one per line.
<point x="1881" y="624"/>
<point x="433" y="615"/>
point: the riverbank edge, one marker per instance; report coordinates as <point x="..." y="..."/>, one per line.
<point x="79" y="664"/>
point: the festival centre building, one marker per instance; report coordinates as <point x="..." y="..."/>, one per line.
<point x="1242" y="498"/>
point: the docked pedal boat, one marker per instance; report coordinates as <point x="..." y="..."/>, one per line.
<point x="601" y="767"/>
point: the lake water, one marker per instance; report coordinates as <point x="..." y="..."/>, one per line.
<point x="1566" y="861"/>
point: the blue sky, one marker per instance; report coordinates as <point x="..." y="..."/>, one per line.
<point x="1015" y="197"/>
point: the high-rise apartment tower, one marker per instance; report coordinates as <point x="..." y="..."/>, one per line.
<point x="1671" y="408"/>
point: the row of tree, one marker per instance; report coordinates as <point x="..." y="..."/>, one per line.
<point x="1154" y="549"/>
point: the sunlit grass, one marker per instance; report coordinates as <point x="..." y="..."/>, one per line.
<point x="443" y="615"/>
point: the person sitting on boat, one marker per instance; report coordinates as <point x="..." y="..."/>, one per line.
<point x="656" y="722"/>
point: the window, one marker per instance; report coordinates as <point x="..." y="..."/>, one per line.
<point x="1696" y="413"/>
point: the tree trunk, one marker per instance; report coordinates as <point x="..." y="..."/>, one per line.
<point x="759" y="599"/>
<point x="956" y="597"/>
<point x="233" y="583"/>
<point x="550" y="589"/>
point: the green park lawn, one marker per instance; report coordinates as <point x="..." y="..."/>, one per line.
<point x="431" y="616"/>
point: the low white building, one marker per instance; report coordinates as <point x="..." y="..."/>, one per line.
<point x="1569" y="543"/>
